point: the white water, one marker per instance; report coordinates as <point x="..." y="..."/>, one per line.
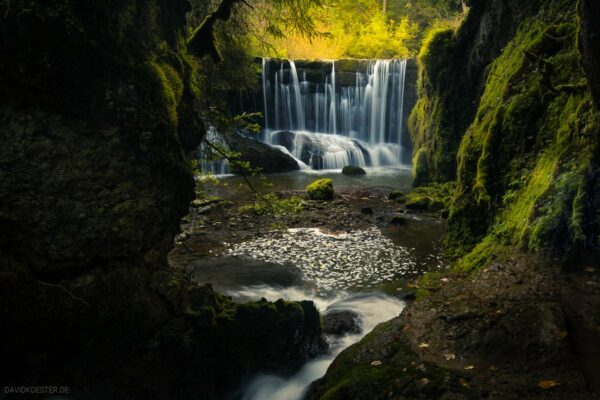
<point x="211" y="161"/>
<point x="359" y="125"/>
<point x="372" y="308"/>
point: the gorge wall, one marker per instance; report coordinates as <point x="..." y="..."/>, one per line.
<point x="515" y="125"/>
<point x="99" y="111"/>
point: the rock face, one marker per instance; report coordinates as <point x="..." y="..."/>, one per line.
<point x="98" y="114"/>
<point x="589" y="35"/>
<point x="497" y="135"/>
<point x="261" y="155"/>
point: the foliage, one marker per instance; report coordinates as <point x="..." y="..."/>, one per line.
<point x="361" y="29"/>
<point x="271" y="204"/>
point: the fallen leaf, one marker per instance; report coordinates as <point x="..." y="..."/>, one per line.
<point x="548" y="384"/>
<point x="423" y="346"/>
<point x="376" y="363"/>
<point x="464" y="383"/>
<point x="470" y="367"/>
<point x="590" y="269"/>
<point x="449" y="356"/>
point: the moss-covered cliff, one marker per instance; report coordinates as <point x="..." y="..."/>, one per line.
<point x="99" y="110"/>
<point x="523" y="142"/>
<point x="506" y="109"/>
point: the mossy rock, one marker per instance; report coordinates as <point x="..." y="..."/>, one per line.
<point x="397" y="195"/>
<point x="433" y="198"/>
<point x="353" y="170"/>
<point x="321" y="189"/>
<point x="398" y="220"/>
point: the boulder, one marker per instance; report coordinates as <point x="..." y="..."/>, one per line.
<point x="367" y="211"/>
<point x="339" y="323"/>
<point x="321" y="189"/>
<point x="260" y="155"/>
<point x="353" y="170"/>
<point x="398" y="220"/>
<point x="397" y="195"/>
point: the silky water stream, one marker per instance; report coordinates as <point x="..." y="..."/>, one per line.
<point x="339" y="271"/>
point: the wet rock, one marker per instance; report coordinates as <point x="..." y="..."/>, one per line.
<point x="367" y="211"/>
<point x="340" y="323"/>
<point x="353" y="170"/>
<point x="397" y="195"/>
<point x="398" y="220"/>
<point x="261" y="155"/>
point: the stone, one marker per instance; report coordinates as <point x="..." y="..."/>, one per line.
<point x="367" y="211"/>
<point x="353" y="170"/>
<point x="339" y="323"/>
<point x="260" y="155"/>
<point x="397" y="195"/>
<point x="321" y="189"/>
<point x="398" y="220"/>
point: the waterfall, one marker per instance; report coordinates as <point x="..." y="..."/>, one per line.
<point x="337" y="117"/>
<point x="211" y="162"/>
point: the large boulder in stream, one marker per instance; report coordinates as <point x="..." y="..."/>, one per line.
<point x="353" y="170"/>
<point x="260" y="155"/>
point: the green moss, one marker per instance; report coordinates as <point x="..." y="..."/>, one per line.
<point x="523" y="161"/>
<point x="399" y="374"/>
<point x="271" y="204"/>
<point x="321" y="189"/>
<point x="171" y="89"/>
<point x="434" y="197"/>
<point x="397" y="195"/>
<point x="420" y="169"/>
<point x="433" y="123"/>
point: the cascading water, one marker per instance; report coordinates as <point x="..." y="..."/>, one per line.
<point x="209" y="161"/>
<point x="329" y="124"/>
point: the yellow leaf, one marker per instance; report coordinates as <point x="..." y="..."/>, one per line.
<point x="423" y="346"/>
<point x="376" y="363"/>
<point x="469" y="367"/>
<point x="548" y="384"/>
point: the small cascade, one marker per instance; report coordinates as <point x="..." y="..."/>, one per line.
<point x="330" y="122"/>
<point x="210" y="162"/>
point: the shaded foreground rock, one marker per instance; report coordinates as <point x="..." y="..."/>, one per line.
<point x="498" y="335"/>
<point x="98" y="119"/>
